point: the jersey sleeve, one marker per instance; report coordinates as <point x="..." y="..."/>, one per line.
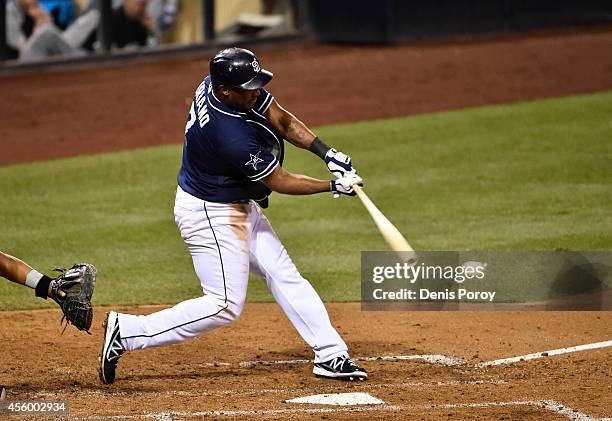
<point x="263" y="101"/>
<point x="251" y="158"/>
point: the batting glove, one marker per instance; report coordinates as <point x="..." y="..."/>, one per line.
<point x="338" y="163"/>
<point x="344" y="185"/>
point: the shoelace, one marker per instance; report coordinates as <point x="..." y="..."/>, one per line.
<point x="351" y="363"/>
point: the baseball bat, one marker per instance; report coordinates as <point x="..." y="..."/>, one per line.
<point x="392" y="236"/>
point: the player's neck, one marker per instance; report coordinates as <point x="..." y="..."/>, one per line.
<point x="225" y="101"/>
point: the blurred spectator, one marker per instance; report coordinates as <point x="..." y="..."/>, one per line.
<point x="164" y="14"/>
<point x="62" y="11"/>
<point x="136" y="23"/>
<point x="187" y="25"/>
<point x="131" y="24"/>
<point x="32" y="34"/>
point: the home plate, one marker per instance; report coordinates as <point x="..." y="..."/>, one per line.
<point x="339" y="399"/>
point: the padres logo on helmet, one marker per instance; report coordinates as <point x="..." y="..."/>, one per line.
<point x="255" y="65"/>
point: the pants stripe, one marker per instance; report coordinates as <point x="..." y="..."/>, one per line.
<point x="175" y="327"/>
<point x="218" y="248"/>
<point x="201" y="318"/>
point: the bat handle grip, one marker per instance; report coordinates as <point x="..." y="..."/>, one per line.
<point x="354" y="186"/>
<point x="357" y="189"/>
<point x="337" y="195"/>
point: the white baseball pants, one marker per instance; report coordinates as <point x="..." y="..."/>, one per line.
<point x="226" y="241"/>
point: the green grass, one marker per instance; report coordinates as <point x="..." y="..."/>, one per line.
<point x="530" y="176"/>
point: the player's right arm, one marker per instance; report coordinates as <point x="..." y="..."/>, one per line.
<point x="296" y="132"/>
<point x="285" y="182"/>
<point x="257" y="163"/>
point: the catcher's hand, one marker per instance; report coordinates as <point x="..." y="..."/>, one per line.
<point x="338" y="164"/>
<point x="72" y="290"/>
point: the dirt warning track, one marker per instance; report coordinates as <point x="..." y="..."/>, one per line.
<point x="143" y="103"/>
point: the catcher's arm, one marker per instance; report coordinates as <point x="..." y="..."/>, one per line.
<point x="13" y="268"/>
<point x="72" y="289"/>
<point x="20" y="272"/>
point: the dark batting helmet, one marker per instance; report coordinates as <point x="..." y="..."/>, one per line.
<point x="239" y="68"/>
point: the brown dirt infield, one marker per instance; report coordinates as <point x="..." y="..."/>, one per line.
<point x="68" y="112"/>
<point x="205" y="374"/>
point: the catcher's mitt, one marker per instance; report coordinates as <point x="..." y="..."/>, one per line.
<point x="72" y="290"/>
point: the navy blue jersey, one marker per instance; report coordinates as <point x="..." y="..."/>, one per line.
<point x="226" y="152"/>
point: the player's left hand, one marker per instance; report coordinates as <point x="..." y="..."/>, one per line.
<point x="339" y="164"/>
<point x="344" y="185"/>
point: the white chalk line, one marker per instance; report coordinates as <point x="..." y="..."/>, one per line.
<point x="424" y="385"/>
<point x="570" y="413"/>
<point x="433" y="359"/>
<point x="168" y="416"/>
<point x="560" y="351"/>
<point x="548" y="405"/>
<point x="445" y="360"/>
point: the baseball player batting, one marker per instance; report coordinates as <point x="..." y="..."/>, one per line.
<point x="232" y="161"/>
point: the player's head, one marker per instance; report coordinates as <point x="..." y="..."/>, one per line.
<point x="238" y="68"/>
<point x="237" y="76"/>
